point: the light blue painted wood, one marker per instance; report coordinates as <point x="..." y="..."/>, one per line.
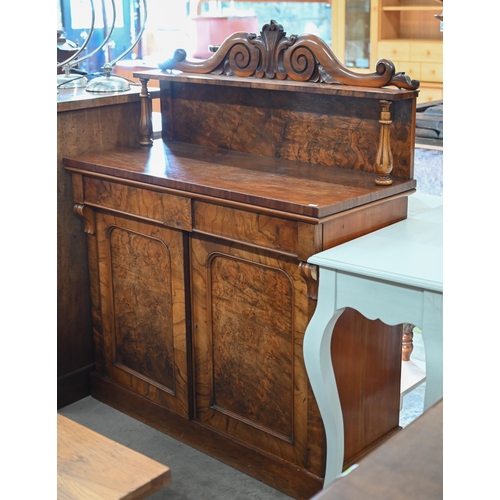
<point x="394" y="274"/>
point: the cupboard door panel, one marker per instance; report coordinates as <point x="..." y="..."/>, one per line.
<point x="251" y="341"/>
<point x="141" y="270"/>
<point x="249" y="317"/>
<point x="143" y="330"/>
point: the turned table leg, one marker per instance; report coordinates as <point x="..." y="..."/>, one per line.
<point x="407" y="341"/>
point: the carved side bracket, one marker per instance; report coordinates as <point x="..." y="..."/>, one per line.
<point x="273" y="55"/>
<point x="310" y="274"/>
<point x="88" y="216"/>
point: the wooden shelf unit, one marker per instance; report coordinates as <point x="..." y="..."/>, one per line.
<point x="407" y="32"/>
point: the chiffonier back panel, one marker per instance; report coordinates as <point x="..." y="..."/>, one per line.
<point x="315" y="128"/>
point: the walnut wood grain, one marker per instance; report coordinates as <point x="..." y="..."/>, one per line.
<point x="170" y="210"/>
<point x="249" y="343"/>
<point x="289" y="186"/>
<point x="256" y="229"/>
<point x="249" y="309"/>
<point x="332" y="130"/>
<point x="85" y="123"/>
<point x="90" y="465"/>
<point x="143" y="304"/>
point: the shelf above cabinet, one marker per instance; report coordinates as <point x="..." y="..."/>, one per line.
<point x="410" y="8"/>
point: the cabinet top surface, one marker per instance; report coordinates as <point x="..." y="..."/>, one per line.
<point x="79" y="98"/>
<point x="259" y="181"/>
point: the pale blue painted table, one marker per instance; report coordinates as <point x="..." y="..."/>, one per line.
<point x="394" y="274"/>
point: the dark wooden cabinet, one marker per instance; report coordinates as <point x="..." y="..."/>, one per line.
<point x="85" y="122"/>
<point x="201" y="290"/>
<point x="200" y="307"/>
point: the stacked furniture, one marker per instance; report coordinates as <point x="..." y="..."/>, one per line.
<point x="408" y="32"/>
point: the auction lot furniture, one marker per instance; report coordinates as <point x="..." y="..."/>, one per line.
<point x="395" y="275"/>
<point x="198" y="246"/>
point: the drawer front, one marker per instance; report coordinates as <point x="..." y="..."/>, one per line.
<point x="430" y="94"/>
<point x="258" y="230"/>
<point x="426" y="52"/>
<point x="394" y="51"/>
<point x="410" y="68"/>
<point x="167" y="209"/>
<point x="431" y="72"/>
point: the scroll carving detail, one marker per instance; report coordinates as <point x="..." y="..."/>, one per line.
<point x="310" y="274"/>
<point x="274" y="55"/>
<point x="88" y="216"/>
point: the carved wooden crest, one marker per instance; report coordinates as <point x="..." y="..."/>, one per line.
<point x="298" y="57"/>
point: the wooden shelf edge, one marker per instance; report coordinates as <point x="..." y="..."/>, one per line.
<point x="399" y="8"/>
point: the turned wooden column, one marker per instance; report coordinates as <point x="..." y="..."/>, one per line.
<point x="146" y="122"/>
<point x="407" y="341"/>
<point x="384" y="160"/>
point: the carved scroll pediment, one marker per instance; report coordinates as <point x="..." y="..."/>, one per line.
<point x="300" y="58"/>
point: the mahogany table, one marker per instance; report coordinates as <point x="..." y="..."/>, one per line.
<point x="394" y="274"/>
<point x="91" y="466"/>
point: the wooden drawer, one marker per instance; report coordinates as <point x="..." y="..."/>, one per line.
<point x="252" y="228"/>
<point x="429" y="94"/>
<point x="411" y="68"/>
<point x="426" y="52"/>
<point x="394" y="51"/>
<point x="167" y="209"/>
<point x="431" y="72"/>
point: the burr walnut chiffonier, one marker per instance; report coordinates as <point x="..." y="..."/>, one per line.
<point x="198" y="242"/>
